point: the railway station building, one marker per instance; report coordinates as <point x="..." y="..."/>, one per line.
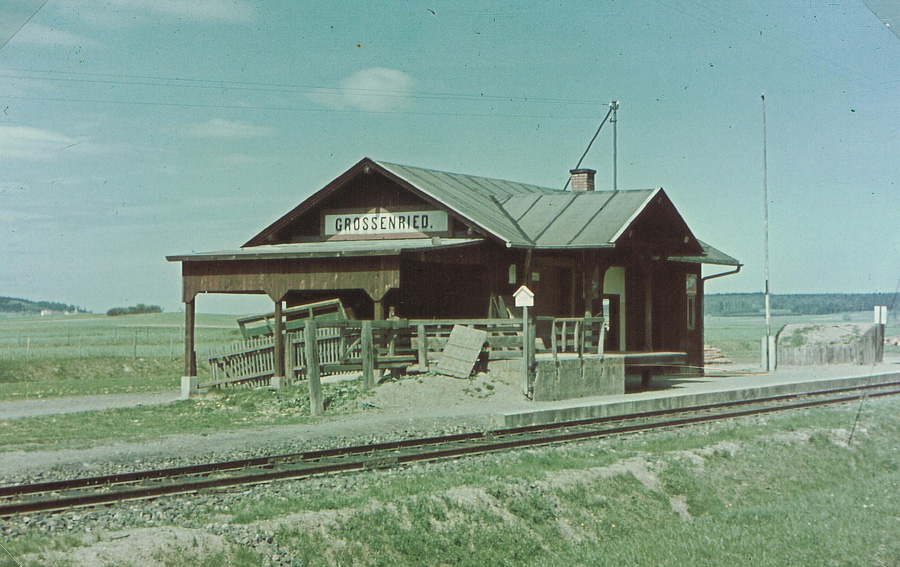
<point x="391" y="240"/>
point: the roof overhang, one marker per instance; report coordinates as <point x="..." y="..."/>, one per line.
<point x="329" y="249"/>
<point x="710" y="255"/>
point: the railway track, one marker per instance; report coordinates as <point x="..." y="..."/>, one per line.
<point x="102" y="490"/>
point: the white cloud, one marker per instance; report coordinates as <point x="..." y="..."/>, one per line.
<point x="374" y="90"/>
<point x="118" y="13"/>
<point x="221" y="128"/>
<point x="36" y="144"/>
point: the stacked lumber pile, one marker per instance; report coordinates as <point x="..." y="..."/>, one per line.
<point x="713" y="355"/>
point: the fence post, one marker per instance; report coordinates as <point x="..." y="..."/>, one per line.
<point x="288" y="358"/>
<point x="311" y="344"/>
<point x="423" y="346"/>
<point x="368" y="356"/>
<point x="529" y="354"/>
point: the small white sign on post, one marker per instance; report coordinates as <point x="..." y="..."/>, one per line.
<point x="880" y="314"/>
<point x="524" y="297"/>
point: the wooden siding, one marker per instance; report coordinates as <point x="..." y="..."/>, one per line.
<point x="375" y="275"/>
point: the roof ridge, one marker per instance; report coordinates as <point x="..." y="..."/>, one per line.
<point x="512" y="220"/>
<point x="469" y="175"/>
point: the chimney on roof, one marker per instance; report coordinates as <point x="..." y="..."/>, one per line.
<point x="582" y="179"/>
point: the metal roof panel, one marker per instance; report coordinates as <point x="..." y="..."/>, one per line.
<point x="331" y="248"/>
<point x="619" y="210"/>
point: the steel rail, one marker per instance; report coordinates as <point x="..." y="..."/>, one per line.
<point x="107" y="489"/>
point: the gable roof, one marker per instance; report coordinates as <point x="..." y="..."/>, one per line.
<point x="519" y="215"/>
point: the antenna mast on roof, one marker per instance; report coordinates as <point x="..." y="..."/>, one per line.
<point x="613" y="106"/>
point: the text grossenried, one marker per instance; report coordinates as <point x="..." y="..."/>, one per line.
<point x="386" y="223"/>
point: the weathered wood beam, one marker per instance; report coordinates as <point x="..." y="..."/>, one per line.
<point x="368" y="356"/>
<point x="648" y="306"/>
<point x="190" y="356"/>
<point x="278" y="367"/>
<point x="311" y="344"/>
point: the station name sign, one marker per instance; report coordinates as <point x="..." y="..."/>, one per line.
<point x="385" y="222"/>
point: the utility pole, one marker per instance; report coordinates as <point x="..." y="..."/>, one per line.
<point x="768" y="348"/>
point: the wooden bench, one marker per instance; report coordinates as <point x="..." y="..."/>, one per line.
<point x="648" y="363"/>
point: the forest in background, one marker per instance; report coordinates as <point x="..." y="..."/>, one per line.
<point x="27" y="307"/>
<point x="744" y="304"/>
<point x="716" y="304"/>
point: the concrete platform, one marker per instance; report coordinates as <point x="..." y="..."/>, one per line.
<point x="718" y="385"/>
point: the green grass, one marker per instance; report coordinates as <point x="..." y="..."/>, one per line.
<point x="785" y="490"/>
<point x="77" y="355"/>
<point x="219" y="411"/>
<point x="788" y="493"/>
<point x="45" y="378"/>
<point x="86" y="336"/>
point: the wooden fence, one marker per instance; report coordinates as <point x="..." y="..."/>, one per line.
<point x="866" y="349"/>
<point x="370" y="346"/>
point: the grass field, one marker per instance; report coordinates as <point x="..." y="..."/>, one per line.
<point x="783" y="490"/>
<point x="95" y="354"/>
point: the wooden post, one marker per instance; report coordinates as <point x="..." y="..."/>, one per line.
<point x="881" y="316"/>
<point x="378" y="309"/>
<point x="288" y="358"/>
<point x="554" y="344"/>
<point x="189" y="385"/>
<point x="190" y="359"/>
<point x="278" y="362"/>
<point x="311" y="347"/>
<point x="368" y="356"/>
<point x="316" y="407"/>
<point x="529" y="353"/>
<point x="648" y="308"/>
<point x="423" y="346"/>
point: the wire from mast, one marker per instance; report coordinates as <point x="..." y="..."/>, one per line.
<point x="613" y="106"/>
<point x="44" y="3"/>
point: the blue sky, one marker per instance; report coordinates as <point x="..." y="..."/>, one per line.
<point x="130" y="130"/>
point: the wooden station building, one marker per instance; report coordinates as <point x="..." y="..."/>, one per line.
<point x="393" y="240"/>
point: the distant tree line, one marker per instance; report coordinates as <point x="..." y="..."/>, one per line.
<point x="24" y="306"/>
<point x="138" y="309"/>
<point x="735" y="304"/>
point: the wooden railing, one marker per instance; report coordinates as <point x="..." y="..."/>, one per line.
<point x="370" y="346"/>
<point x="578" y="335"/>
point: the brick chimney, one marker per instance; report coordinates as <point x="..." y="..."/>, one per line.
<point x="582" y="179"/>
